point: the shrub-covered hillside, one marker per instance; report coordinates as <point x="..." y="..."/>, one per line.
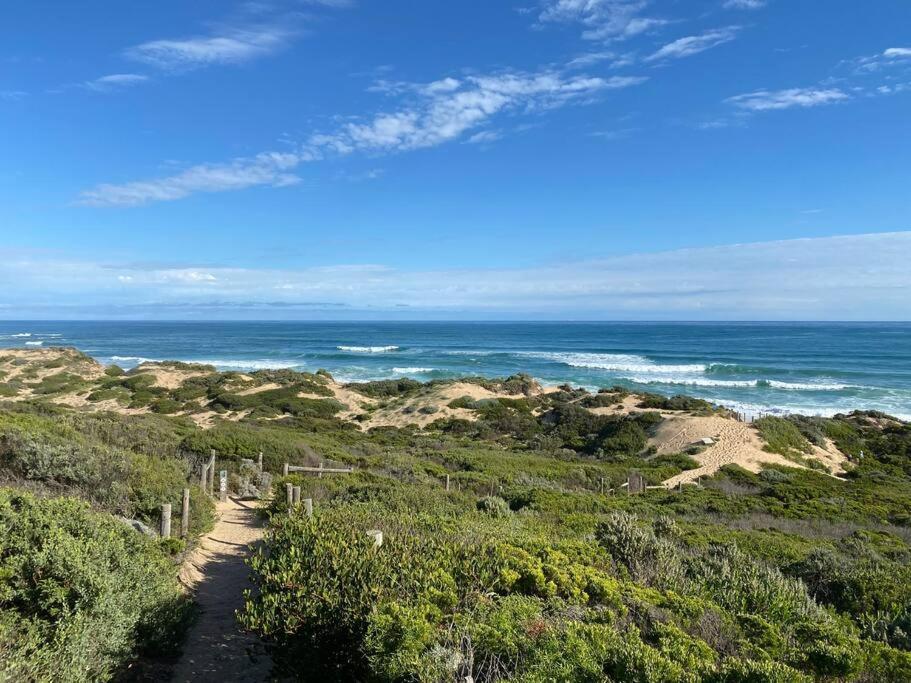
<point x="535" y="565"/>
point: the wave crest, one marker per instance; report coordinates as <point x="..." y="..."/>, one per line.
<point x="367" y="349"/>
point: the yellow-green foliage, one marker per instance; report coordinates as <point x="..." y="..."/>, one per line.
<point x="81" y="594"/>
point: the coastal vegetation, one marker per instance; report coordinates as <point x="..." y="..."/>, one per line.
<point x="511" y="549"/>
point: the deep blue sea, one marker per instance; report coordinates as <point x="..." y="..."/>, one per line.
<point x="813" y="368"/>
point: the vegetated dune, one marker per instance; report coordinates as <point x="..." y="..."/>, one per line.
<point x="68" y="377"/>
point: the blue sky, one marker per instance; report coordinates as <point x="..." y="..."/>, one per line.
<point x="544" y="159"/>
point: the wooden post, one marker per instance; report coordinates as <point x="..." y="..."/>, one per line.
<point x="166" y="520"/>
<point x="447" y="482"/>
<point x="377" y="536"/>
<point x="308" y="506"/>
<point x="320" y="475"/>
<point x="185" y="514"/>
<point x="212" y="473"/>
<point x="223" y="486"/>
<point x="285" y="470"/>
<point x="296" y="496"/>
<point x="202" y="477"/>
<point x="259" y="461"/>
<point x="289" y="491"/>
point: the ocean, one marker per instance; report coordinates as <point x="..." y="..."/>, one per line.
<point x="811" y="368"/>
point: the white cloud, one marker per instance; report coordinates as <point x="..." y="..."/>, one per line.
<point x="114" y="81"/>
<point x="447" y="109"/>
<point x="857" y="277"/>
<point x="767" y="100"/>
<point x="898" y="53"/>
<point x="603" y="19"/>
<point x="12" y="95"/>
<point x="744" y="4"/>
<point x="439" y="112"/>
<point x="263" y="169"/>
<point x="231" y="46"/>
<point x="691" y="45"/>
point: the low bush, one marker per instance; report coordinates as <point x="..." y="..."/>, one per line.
<point x="81" y="594"/>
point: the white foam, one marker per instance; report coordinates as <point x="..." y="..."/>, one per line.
<point x="367" y="349"/>
<point x="808" y="386"/>
<point x="615" y="362"/>
<point x="737" y="383"/>
<point x="34" y="343"/>
<point x="220" y="363"/>
<point x="695" y="381"/>
<point x="412" y="371"/>
<point x="22" y="334"/>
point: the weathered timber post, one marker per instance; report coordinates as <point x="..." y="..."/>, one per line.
<point x="202" y="477"/>
<point x="680" y="487"/>
<point x="185" y="514"/>
<point x="166" y="520"/>
<point x="285" y="470"/>
<point x="447" y="482"/>
<point x="308" y="506"/>
<point x="296" y="496"/>
<point x="289" y="491"/>
<point x="223" y="486"/>
<point x="320" y="474"/>
<point x="259" y="461"/>
<point x="377" y="536"/>
<point x="212" y="473"/>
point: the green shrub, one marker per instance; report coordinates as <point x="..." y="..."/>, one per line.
<point x="81" y="594"/>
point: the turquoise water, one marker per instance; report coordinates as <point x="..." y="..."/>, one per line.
<point x="814" y="368"/>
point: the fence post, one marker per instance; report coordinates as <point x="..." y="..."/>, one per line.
<point x="212" y="473"/>
<point x="185" y="514"/>
<point x="166" y="520"/>
<point x="259" y="461"/>
<point x="447" y="482"/>
<point x="285" y="470"/>
<point x="320" y="474"/>
<point x="308" y="506"/>
<point x="202" y="477"/>
<point x="289" y="491"/>
<point x="223" y="486"/>
<point x="296" y="496"/>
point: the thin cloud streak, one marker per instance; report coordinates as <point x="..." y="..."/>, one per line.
<point x="769" y="100"/>
<point x="692" y="45"/>
<point x="232" y="46"/>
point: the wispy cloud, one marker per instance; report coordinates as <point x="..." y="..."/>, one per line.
<point x="603" y="19"/>
<point x="745" y="4"/>
<point x="769" y="100"/>
<point x="12" y="95"/>
<point x="263" y="169"/>
<point x="446" y="109"/>
<point x="114" y="82"/>
<point x="230" y="46"/>
<point x="888" y="58"/>
<point x="822" y="278"/>
<point x="691" y="45"/>
<point x="432" y="114"/>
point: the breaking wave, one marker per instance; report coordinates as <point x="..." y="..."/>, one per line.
<point x="367" y="349"/>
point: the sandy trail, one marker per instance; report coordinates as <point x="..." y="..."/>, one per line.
<point x="216" y="649"/>
<point x="736" y="443"/>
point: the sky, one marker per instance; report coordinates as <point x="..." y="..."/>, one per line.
<point x="382" y="159"/>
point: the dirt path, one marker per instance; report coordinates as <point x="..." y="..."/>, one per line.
<point x="736" y="443"/>
<point x="216" y="649"/>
